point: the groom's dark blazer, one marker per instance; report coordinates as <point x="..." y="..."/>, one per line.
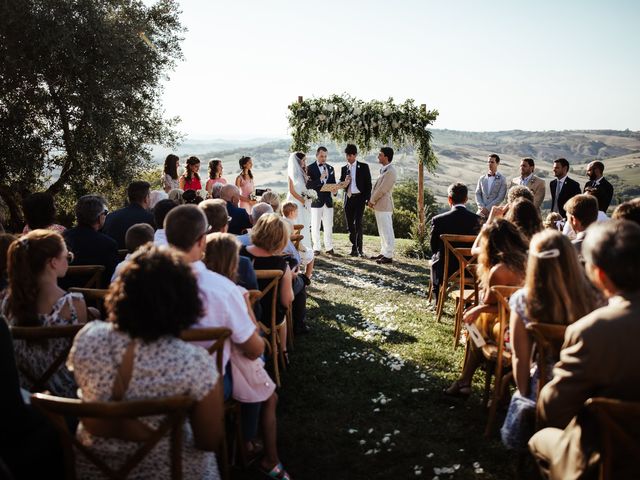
<point x="325" y="199"/>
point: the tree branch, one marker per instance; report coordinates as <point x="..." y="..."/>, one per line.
<point x="67" y="137"/>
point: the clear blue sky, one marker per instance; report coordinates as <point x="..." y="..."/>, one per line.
<point x="485" y="65"/>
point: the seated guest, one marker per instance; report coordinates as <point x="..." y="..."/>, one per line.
<point x="33" y="299"/>
<point x="222" y="257"/>
<point x="176" y="196"/>
<point x="215" y="190"/>
<point x="258" y="210"/>
<point x="517" y="192"/>
<point x="137" y="236"/>
<point x="118" y="222"/>
<point x="218" y="218"/>
<point x="159" y="213"/>
<point x="629" y="210"/>
<point x="599" y="358"/>
<point x="138" y="355"/>
<point x="155" y="196"/>
<point x="272" y="199"/>
<point x="553" y="221"/>
<point x="6" y="239"/>
<point x="40" y="212"/>
<point x="89" y="246"/>
<point x="502" y="260"/>
<point x="582" y="211"/>
<point x="458" y="221"/>
<point x="598" y="186"/>
<point x="186" y="227"/>
<point x="524" y="215"/>
<point x="239" y="217"/>
<point x="556" y="291"/>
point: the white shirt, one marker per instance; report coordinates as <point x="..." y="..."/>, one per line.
<point x="323" y="169"/>
<point x="525" y="181"/>
<point x="160" y="238"/>
<point x="119" y="267"/>
<point x="224" y="306"/>
<point x="353" y="167"/>
<point x="490" y="180"/>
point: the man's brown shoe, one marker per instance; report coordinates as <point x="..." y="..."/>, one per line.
<point x="376" y="257"/>
<point x="384" y="260"/>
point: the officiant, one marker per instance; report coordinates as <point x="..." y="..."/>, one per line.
<point x="321" y="173"/>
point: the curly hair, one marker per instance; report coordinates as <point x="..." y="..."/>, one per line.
<point x="501" y="243"/>
<point x="526" y="216"/>
<point x="188" y="174"/>
<point x="156" y="294"/>
<point x="213" y="168"/>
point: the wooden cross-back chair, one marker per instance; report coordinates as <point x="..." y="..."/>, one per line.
<point x="276" y="324"/>
<point x="297" y="228"/>
<point x="548" y="340"/>
<point x="495" y="355"/>
<point x="175" y="409"/>
<point x="85" y="276"/>
<point x="619" y="434"/>
<point x="41" y="334"/>
<point x="295" y="239"/>
<point x="458" y="247"/>
<point x="93" y="297"/>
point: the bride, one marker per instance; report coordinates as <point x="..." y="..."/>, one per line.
<point x="297" y="173"/>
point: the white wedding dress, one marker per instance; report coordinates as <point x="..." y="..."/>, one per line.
<point x="298" y="178"/>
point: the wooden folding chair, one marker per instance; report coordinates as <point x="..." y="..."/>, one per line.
<point x="40" y="334"/>
<point x="619" y="431"/>
<point x="548" y="340"/>
<point x="297" y="228"/>
<point x="429" y="282"/>
<point x="277" y="353"/>
<point x="85" y="276"/>
<point x="458" y="247"/>
<point x="295" y="239"/>
<point x="174" y="408"/>
<point x="93" y="297"/>
<point x="496" y="355"/>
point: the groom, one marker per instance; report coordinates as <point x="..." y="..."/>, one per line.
<point x="321" y="173"/>
<point x="357" y="195"/>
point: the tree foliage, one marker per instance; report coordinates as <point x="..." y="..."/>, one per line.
<point x="80" y="88"/>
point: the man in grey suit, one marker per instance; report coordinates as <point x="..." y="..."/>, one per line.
<point x="599" y="358"/>
<point x="492" y="187"/>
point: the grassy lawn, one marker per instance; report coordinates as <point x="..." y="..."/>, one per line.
<point x="363" y="397"/>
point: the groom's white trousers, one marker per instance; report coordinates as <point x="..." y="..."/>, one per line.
<point x="385" y="230"/>
<point x="324" y="215"/>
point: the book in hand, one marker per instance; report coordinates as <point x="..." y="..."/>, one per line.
<point x="334" y="187"/>
<point x="475" y="334"/>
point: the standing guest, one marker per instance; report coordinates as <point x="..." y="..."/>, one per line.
<point x="556" y="291"/>
<point x="215" y="190"/>
<point x="118" y="222"/>
<point x="582" y="211"/>
<point x="502" y="258"/>
<point x="89" y="246"/>
<point x="357" y="195"/>
<point x="215" y="175"/>
<point x="35" y="263"/>
<point x="138" y="355"/>
<point x="563" y="187"/>
<point x="382" y="203"/>
<point x="457" y="221"/>
<point x="240" y="219"/>
<point x="526" y="216"/>
<point x="629" y="210"/>
<point x="186" y="227"/>
<point x="599" y="358"/>
<point x="138" y="235"/>
<point x="245" y="184"/>
<point x="321" y="173"/>
<point x="40" y="212"/>
<point x="170" y="179"/>
<point x="6" y="239"/>
<point x="190" y="179"/>
<point x="598" y="186"/>
<point x="491" y="188"/>
<point x="528" y="179"/>
<point x="159" y="213"/>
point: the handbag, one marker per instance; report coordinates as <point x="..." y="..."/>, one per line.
<point x="519" y="424"/>
<point x="251" y="382"/>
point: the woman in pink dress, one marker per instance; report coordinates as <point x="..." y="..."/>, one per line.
<point x="215" y="175"/>
<point x="244" y="182"/>
<point x="190" y="180"/>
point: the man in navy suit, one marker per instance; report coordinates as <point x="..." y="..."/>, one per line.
<point x="240" y="220"/>
<point x="563" y="187"/>
<point x="118" y="222"/>
<point x="457" y="221"/>
<point x="321" y="173"/>
<point x="598" y="186"/>
<point x="358" y="193"/>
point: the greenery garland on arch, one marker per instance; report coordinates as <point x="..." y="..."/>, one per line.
<point x="346" y="119"/>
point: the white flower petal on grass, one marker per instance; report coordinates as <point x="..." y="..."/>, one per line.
<point x="476" y="464"/>
<point x="479" y="470"/>
<point x="370" y="430"/>
<point x="368" y="452"/>
<point x="456" y="466"/>
<point x="430" y="455"/>
<point x="376" y="410"/>
<point x="396" y="432"/>
<point x="352" y="431"/>
<point x="386" y="440"/>
<point x="362" y="442"/>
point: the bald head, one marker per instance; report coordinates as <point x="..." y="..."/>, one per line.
<point x="230" y="193"/>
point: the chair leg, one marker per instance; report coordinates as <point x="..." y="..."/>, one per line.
<point x="430" y="297"/>
<point x="487" y="383"/>
<point x="441" y="295"/>
<point x="289" y="329"/>
<point x="457" y="319"/>
<point x="274" y="356"/>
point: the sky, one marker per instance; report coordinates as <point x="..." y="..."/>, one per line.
<point x="484" y="65"/>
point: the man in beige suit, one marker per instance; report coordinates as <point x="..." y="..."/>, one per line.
<point x="531" y="181"/>
<point x="599" y="358"/>
<point x="382" y="202"/>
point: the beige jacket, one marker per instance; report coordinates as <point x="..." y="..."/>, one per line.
<point x="381" y="194"/>
<point x="537" y="187"/>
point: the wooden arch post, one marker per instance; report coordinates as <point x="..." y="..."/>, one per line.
<point x="421" y="224"/>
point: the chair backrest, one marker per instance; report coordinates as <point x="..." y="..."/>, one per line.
<point x="295" y="239"/>
<point x="548" y="340"/>
<point x="122" y="253"/>
<point x="458" y="248"/>
<point x="297" y="228"/>
<point x="39" y="335"/>
<point x="619" y="429"/>
<point x="175" y="410"/>
<point x="254" y="296"/>
<point x="87" y="276"/>
<point x="216" y="335"/>
<point x="274" y="277"/>
<point x="93" y="297"/>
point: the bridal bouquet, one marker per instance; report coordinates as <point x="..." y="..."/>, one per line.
<point x="310" y="195"/>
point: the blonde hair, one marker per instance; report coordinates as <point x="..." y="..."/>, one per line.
<point x="288" y="208"/>
<point x="222" y="254"/>
<point x="558" y="290"/>
<point x="272" y="199"/>
<point x="270" y="233"/>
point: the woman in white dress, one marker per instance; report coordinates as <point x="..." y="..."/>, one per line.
<point x="298" y="194"/>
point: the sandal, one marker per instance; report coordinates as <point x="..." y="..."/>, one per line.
<point x="278" y="472"/>
<point x="458" y="389"/>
